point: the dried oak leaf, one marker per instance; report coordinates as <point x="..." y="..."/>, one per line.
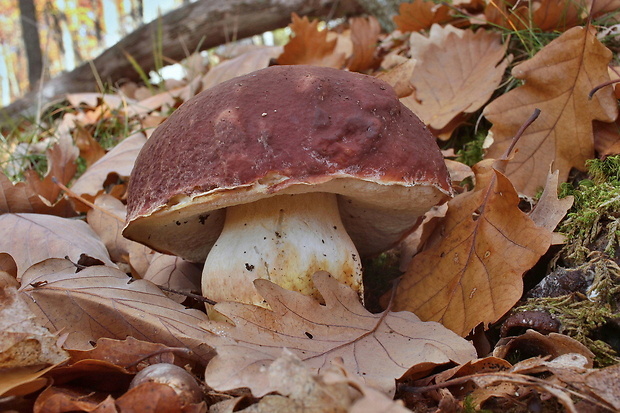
<point x="254" y="59"/>
<point x="557" y="81"/>
<point x="22" y="341"/>
<point x="545" y="15"/>
<point x="378" y="347"/>
<point x="63" y="399"/>
<point x="101" y="302"/>
<point x="421" y="14"/>
<point x="471" y="271"/>
<point x="444" y="90"/>
<point x="365" y="37"/>
<point x="37" y="237"/>
<point x="41" y="195"/>
<point x="119" y="160"/>
<point x="309" y="46"/>
<point x="108" y="220"/>
<point x="27" y="349"/>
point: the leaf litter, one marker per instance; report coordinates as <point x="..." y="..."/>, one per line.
<point x="112" y="323"/>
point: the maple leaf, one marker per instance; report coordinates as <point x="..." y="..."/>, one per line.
<point x="557" y="81"/>
<point x="101" y="301"/>
<point x="471" y="271"/>
<point x="444" y="90"/>
<point x="378" y="347"/>
<point x="420" y="15"/>
<point x="310" y="46"/>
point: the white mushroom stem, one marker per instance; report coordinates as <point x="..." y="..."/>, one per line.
<point x="285" y="239"/>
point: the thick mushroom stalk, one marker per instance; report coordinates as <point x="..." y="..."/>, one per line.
<point x="285" y="239"/>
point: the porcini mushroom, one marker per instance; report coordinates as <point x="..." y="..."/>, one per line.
<point x="281" y="173"/>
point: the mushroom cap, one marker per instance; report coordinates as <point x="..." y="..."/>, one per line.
<point x="286" y="130"/>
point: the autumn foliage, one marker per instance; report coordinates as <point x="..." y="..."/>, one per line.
<point x="83" y="309"/>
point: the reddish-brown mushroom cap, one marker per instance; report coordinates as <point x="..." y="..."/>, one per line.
<point x="286" y="130"/>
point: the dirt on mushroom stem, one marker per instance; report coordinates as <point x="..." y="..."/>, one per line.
<point x="285" y="239"/>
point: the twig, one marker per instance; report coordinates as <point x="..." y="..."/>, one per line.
<point x="189" y="295"/>
<point x="602" y="85"/>
<point x="73" y="195"/>
<point x="519" y="133"/>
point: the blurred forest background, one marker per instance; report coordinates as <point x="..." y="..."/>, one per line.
<point x="42" y="38"/>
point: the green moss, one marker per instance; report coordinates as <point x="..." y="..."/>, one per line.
<point x="582" y="315"/>
<point x="592" y="224"/>
<point x="472" y="151"/>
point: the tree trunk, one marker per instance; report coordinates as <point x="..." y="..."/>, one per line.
<point x="200" y="25"/>
<point x="32" y="44"/>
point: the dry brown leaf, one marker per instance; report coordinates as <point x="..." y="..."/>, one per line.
<point x="399" y="77"/>
<point x="130" y="354"/>
<point x="24" y="343"/>
<point x="37" y="237"/>
<point x="94" y="100"/>
<point x="420" y="15"/>
<point x="154" y="397"/>
<point x="605" y="384"/>
<point x="534" y="344"/>
<point x="607" y="138"/>
<point x="165" y="101"/>
<point x="175" y="274"/>
<point x="299" y="390"/>
<point x="101" y="302"/>
<point x="119" y="160"/>
<point x="557" y="81"/>
<point x="442" y="89"/>
<point x="545" y="15"/>
<point x="550" y="210"/>
<point x="108" y="221"/>
<point x="365" y="37"/>
<point x="471" y="271"/>
<point x="378" y="347"/>
<point x="41" y="195"/>
<point x="27" y="350"/>
<point x="62" y="399"/>
<point x="309" y="46"/>
<point x="255" y="59"/>
<point x="90" y="149"/>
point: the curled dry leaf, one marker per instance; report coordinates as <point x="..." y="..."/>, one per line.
<point x="378" y="347"/>
<point x="119" y="160"/>
<point x="557" y="81"/>
<point x="255" y="59"/>
<point x="26" y="348"/>
<point x="399" y="77"/>
<point x="309" y="46"/>
<point x="421" y="14"/>
<point x="173" y="273"/>
<point x="550" y="210"/>
<point x="444" y="90"/>
<point x="37" y="237"/>
<point x="108" y="222"/>
<point x="64" y="399"/>
<point x="101" y="302"/>
<point x="364" y="36"/>
<point x="38" y="195"/>
<point x="130" y="354"/>
<point x="23" y="342"/>
<point x="471" y="271"/>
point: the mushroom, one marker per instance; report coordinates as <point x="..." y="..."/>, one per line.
<point x="281" y="173"/>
